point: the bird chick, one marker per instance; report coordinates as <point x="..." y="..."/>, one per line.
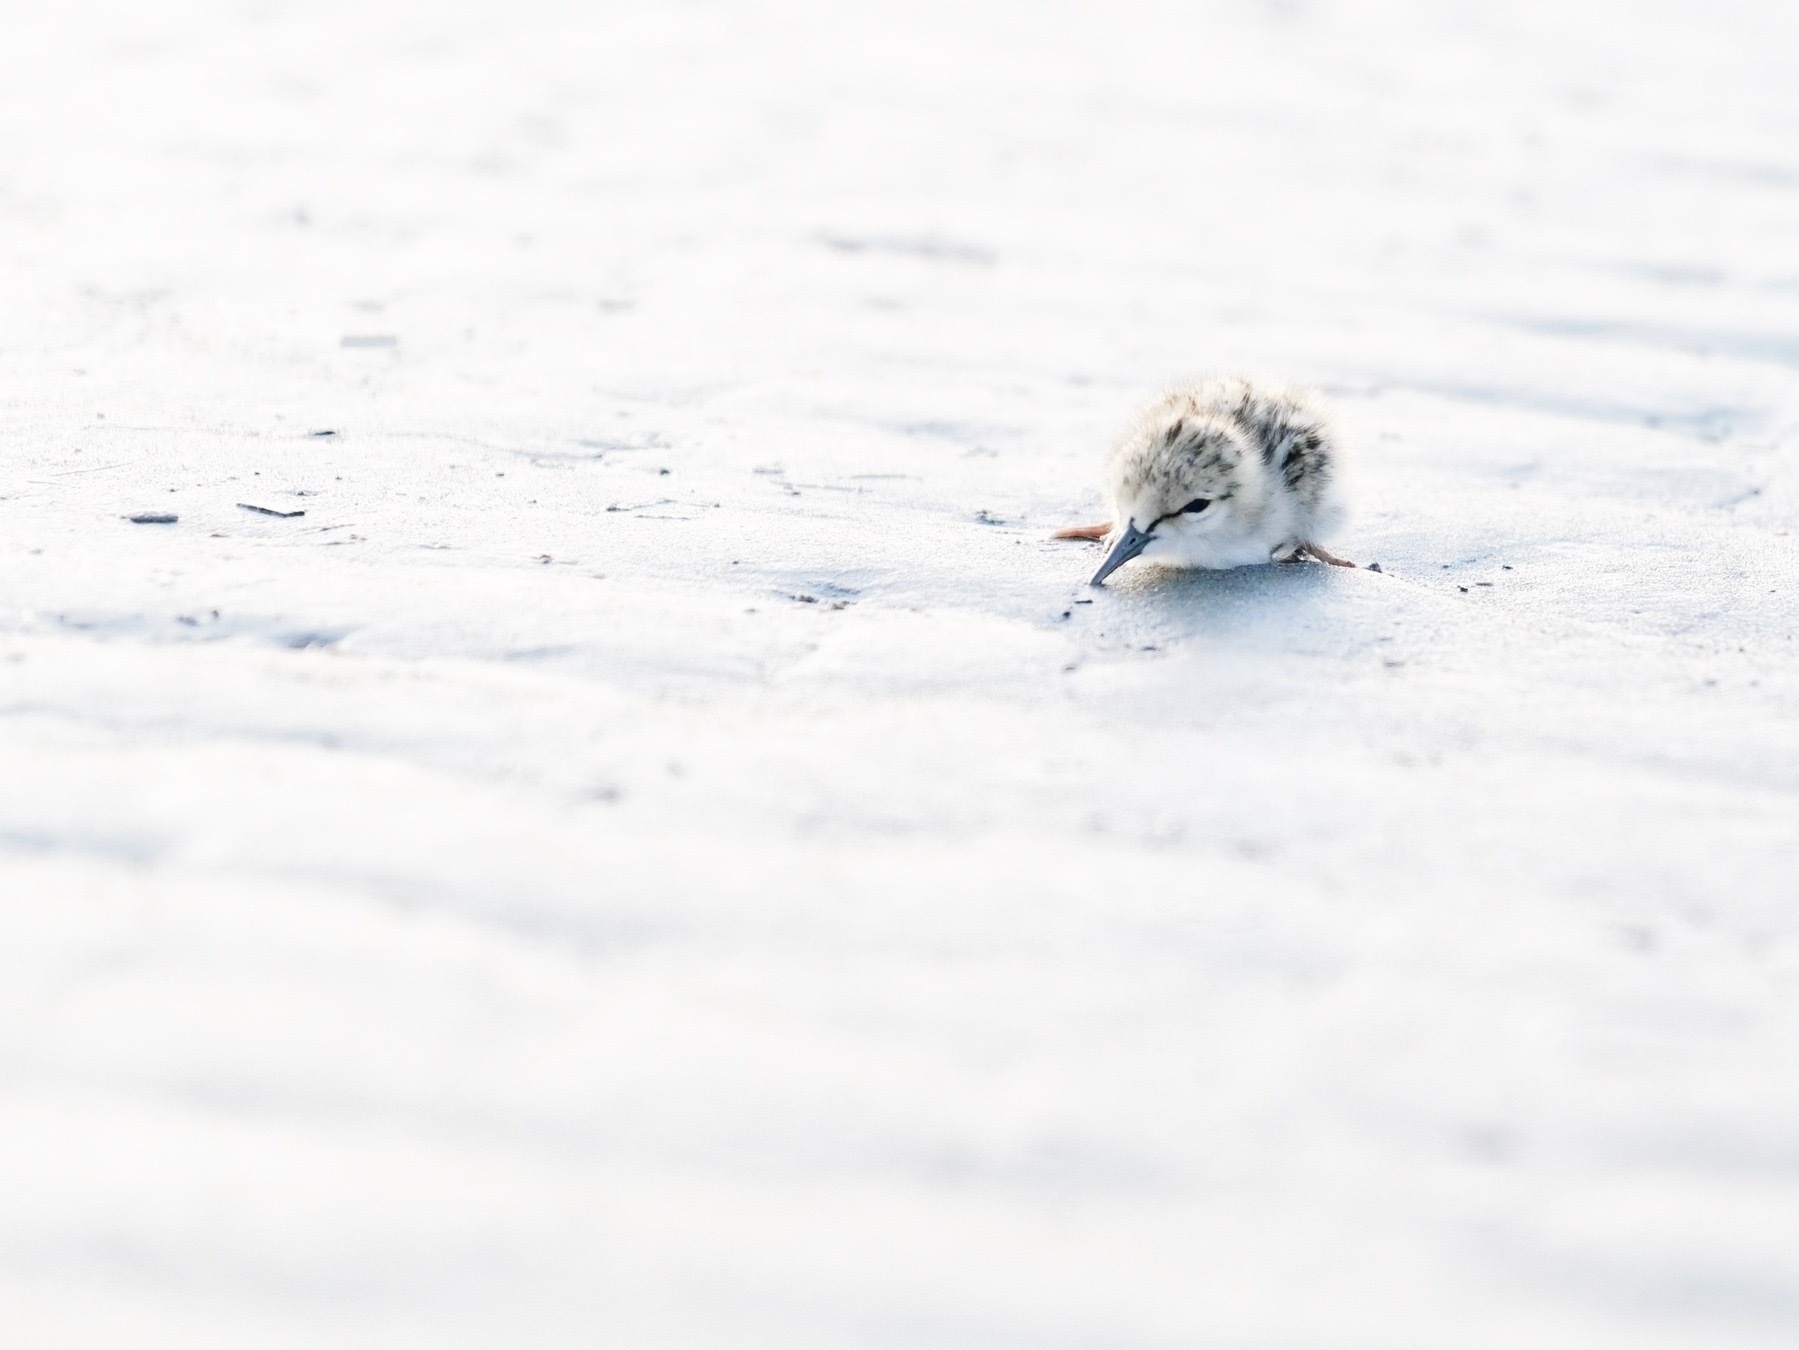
<point x="1223" y="473"/>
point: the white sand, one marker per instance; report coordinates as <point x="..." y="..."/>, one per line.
<point x="665" y="853"/>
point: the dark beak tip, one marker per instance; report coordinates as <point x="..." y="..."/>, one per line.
<point x="1129" y="545"/>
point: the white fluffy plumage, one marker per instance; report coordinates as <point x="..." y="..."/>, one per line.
<point x="1223" y="473"/>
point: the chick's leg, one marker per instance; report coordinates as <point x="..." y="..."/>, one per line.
<point x="1324" y="557"/>
<point x="1084" y="532"/>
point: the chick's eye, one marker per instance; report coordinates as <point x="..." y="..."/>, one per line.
<point x="1194" y="507"/>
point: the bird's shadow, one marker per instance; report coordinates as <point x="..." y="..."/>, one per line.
<point x="1181" y="603"/>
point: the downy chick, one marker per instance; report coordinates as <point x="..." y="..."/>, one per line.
<point x="1222" y="473"/>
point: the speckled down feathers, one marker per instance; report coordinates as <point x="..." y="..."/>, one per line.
<point x="1266" y="457"/>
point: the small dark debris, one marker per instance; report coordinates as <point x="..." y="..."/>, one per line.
<point x="1462" y="589"/>
<point x="270" y="511"/>
<point x="1083" y="602"/>
<point x="323" y="432"/>
<point x="807" y="599"/>
<point x="1374" y="567"/>
<point x="153" y="518"/>
<point x="1506" y="566"/>
<point x="662" y="473"/>
<point x="1068" y="614"/>
<point x="988" y="518"/>
<point x="1483" y="583"/>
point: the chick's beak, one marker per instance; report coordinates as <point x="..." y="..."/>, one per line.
<point x="1129" y="545"/>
